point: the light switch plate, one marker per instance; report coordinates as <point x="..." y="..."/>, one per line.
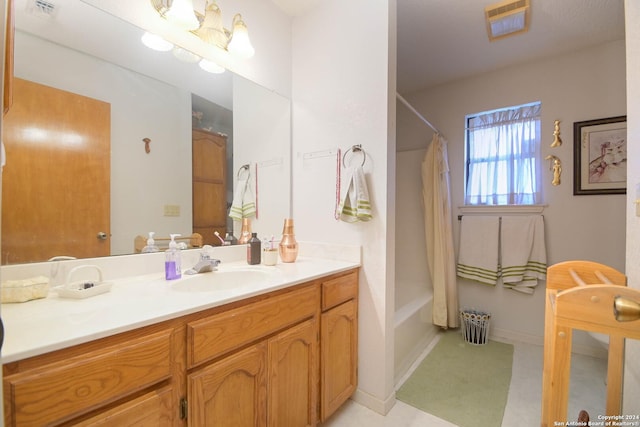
<point x="171" y="210"/>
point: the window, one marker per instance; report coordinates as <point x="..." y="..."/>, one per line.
<point x="503" y="157"/>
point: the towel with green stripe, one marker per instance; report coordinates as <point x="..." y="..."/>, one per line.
<point x="478" y="254"/>
<point x="354" y="200"/>
<point x="524" y="258"/>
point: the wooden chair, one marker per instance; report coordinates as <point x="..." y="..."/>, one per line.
<point x="192" y="241"/>
<point x="581" y="295"/>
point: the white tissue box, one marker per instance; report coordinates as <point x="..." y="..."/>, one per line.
<point x="25" y="289"/>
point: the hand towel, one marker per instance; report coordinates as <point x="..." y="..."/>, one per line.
<point x="235" y="212"/>
<point x="243" y="204"/>
<point x="354" y="200"/>
<point x="524" y="256"/>
<point x="478" y="254"/>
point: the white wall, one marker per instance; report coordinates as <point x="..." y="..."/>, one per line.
<point x="631" y="403"/>
<point x="343" y="94"/>
<point x="579" y="86"/>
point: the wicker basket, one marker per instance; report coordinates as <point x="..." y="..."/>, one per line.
<point x="475" y="326"/>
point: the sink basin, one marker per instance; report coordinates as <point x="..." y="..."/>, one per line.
<point x="224" y="280"/>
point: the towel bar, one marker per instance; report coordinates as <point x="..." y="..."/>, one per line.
<point x="355" y="149"/>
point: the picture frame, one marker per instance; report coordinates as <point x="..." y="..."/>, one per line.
<point x="600" y="156"/>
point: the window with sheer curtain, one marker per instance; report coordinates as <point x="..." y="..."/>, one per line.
<point x="503" y="157"/>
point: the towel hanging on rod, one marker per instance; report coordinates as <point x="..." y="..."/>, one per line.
<point x="414" y="111"/>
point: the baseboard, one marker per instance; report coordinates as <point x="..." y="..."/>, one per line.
<point x="415" y="354"/>
<point x="508" y="336"/>
<point x="380" y="406"/>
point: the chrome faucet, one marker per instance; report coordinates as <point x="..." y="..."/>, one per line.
<point x="206" y="263"/>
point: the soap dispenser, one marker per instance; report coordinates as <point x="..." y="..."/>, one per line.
<point x="151" y="245"/>
<point x="172" y="263"/>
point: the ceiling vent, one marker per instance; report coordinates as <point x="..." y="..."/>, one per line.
<point x="507" y="18"/>
<point x="42" y="8"/>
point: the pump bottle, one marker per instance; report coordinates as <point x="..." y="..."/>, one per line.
<point x="151" y="245"/>
<point x="172" y="263"/>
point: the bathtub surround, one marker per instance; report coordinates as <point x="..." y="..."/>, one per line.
<point x="439" y="233"/>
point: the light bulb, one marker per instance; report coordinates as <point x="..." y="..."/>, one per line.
<point x="211" y="67"/>
<point x="240" y="44"/>
<point x="155" y="42"/>
<point x="185" y="55"/>
<point x="181" y="14"/>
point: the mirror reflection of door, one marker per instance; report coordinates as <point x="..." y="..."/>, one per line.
<point x="56" y="183"/>
<point x="209" y="185"/>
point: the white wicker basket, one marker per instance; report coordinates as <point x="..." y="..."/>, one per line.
<point x="475" y="326"/>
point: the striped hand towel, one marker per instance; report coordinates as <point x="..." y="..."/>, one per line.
<point x="478" y="254"/>
<point x="524" y="257"/>
<point x="354" y="202"/>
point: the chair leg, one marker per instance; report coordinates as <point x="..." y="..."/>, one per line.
<point x="558" y="396"/>
<point x="614" y="375"/>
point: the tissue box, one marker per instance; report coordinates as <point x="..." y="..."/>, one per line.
<point x="25" y="289"/>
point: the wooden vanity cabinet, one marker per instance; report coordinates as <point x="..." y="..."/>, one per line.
<point x="270" y="360"/>
<point x="265" y="363"/>
<point x="339" y="341"/>
<point x="128" y="379"/>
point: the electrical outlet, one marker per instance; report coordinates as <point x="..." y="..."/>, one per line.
<point x="171" y="210"/>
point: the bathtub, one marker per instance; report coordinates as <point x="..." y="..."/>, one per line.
<point x="414" y="329"/>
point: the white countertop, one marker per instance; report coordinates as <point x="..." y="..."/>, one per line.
<point x="40" y="326"/>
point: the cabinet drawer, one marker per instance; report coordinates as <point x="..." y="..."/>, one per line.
<point x="150" y="410"/>
<point x="61" y="390"/>
<point x="339" y="289"/>
<point x="216" y="335"/>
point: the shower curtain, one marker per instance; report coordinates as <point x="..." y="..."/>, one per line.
<point x="439" y="235"/>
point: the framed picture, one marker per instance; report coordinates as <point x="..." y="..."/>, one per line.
<point x="600" y="156"/>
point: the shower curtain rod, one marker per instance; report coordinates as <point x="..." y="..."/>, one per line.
<point x="414" y="111"/>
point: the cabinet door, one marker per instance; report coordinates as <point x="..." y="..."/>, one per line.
<point x="231" y="392"/>
<point x="293" y="376"/>
<point x="339" y="356"/>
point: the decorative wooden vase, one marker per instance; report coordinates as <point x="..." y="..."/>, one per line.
<point x="288" y="245"/>
<point x="245" y="233"/>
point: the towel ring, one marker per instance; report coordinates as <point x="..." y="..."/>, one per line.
<point x="355" y="149"/>
<point x="243" y="167"/>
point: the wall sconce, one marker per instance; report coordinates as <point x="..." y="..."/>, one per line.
<point x="557" y="141"/>
<point x="556" y="166"/>
<point x="208" y="26"/>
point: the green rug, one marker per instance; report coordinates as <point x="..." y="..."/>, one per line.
<point x="462" y="383"/>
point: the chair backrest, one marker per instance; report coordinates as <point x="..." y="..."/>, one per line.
<point x="563" y="275"/>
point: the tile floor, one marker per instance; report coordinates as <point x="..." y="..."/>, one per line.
<point x="587" y="391"/>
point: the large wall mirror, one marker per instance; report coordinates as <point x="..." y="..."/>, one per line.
<point x="153" y="102"/>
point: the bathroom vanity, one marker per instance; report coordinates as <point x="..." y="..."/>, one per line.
<point x="282" y="354"/>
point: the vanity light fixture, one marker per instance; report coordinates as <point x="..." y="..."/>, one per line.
<point x="507" y="18"/>
<point x="208" y="26"/>
<point x="185" y="55"/>
<point x="181" y="14"/>
<point x="211" y="67"/>
<point x="155" y="42"/>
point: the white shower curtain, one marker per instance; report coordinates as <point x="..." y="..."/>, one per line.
<point x="439" y="234"/>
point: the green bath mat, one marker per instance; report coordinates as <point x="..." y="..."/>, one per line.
<point x="462" y="383"/>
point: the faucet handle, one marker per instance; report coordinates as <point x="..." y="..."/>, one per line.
<point x="204" y="253"/>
